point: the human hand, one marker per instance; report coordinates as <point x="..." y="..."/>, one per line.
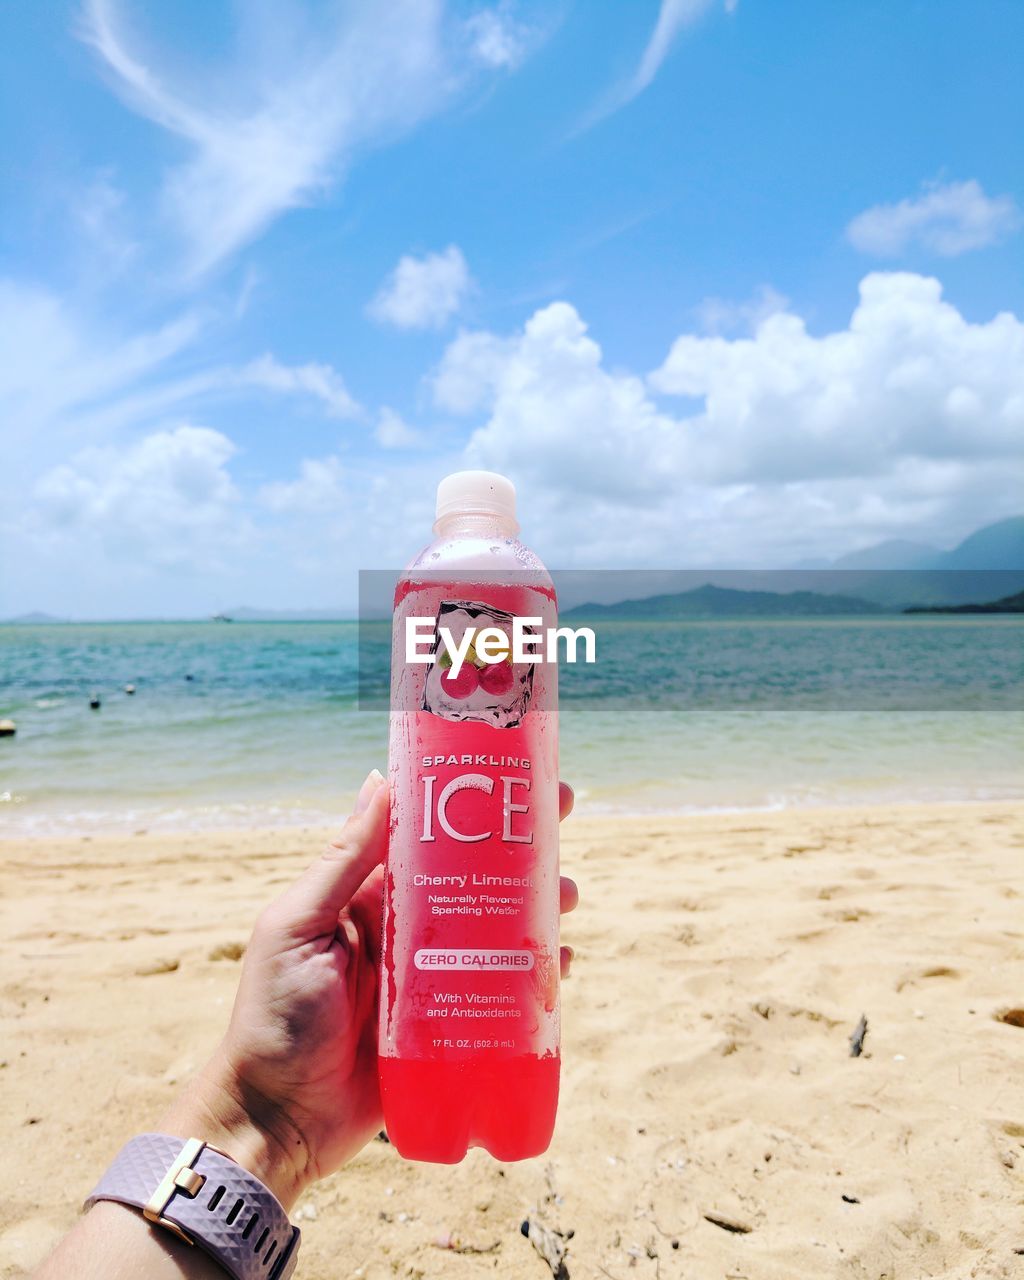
<point x="292" y="1090"/>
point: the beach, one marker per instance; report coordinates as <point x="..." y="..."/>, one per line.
<point x="713" y="1122"/>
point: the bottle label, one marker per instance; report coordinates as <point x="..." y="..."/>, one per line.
<point x="471" y="890"/>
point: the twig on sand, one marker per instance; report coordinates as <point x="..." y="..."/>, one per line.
<point x="550" y="1244"/>
<point x="454" y="1246"/>
<point x="727" y="1224"/>
<point x="860" y="1031"/>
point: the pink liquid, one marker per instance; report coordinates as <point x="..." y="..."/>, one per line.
<point x="469" y="1033"/>
<point x="436" y="1110"/>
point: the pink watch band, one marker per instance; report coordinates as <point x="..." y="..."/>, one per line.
<point x="206" y="1199"/>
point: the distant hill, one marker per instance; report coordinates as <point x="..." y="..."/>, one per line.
<point x="894" y="554"/>
<point x="710" y="601"/>
<point x="246" y="614"/>
<point x="894" y="575"/>
<point x="988" y="564"/>
<point x="1008" y="604"/>
<point x="37" y="618"/>
<point x="995" y="546"/>
<point x="900" y="588"/>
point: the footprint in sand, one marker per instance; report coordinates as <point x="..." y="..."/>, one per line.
<point x="227" y="951"/>
<point x="850" y="915"/>
<point x="936" y="971"/>
<point x="168" y="965"/>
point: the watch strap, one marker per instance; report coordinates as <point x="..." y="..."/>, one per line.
<point x="206" y="1199"/>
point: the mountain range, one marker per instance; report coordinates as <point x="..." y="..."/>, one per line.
<point x="893" y="575"/>
<point x="709" y="601"/>
<point x="998" y="546"/>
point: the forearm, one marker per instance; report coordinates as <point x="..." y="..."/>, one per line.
<point x="115" y="1242"/>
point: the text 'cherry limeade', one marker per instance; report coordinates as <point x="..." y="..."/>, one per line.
<point x="469" y="1016"/>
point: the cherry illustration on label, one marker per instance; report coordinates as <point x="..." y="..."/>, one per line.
<point x="497" y="677"/>
<point x="462" y="685"/>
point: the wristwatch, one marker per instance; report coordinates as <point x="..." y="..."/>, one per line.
<point x="207" y="1200"/>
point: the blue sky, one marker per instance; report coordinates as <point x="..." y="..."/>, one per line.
<point x="713" y="282"/>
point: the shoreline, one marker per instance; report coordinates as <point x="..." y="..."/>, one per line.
<point x="585" y="811"/>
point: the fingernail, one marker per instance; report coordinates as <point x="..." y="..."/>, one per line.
<point x="366" y="792"/>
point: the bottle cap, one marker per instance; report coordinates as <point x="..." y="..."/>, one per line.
<point x="476" y="493"/>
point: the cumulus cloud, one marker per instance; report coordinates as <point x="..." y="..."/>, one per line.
<point x="166" y="497"/>
<point x="554" y="409"/>
<point x="423" y="293"/>
<point x="907" y="412"/>
<point x="275" y="127"/>
<point x="909" y="377"/>
<point x="945" y="218"/>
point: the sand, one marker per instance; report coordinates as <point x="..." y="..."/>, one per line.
<point x="713" y="1123"/>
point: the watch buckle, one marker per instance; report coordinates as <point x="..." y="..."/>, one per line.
<point x="180" y="1177"/>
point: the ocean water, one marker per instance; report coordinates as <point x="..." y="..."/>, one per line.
<point x="280" y="722"/>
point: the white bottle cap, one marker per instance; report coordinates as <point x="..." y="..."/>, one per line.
<point x="477" y="493"/>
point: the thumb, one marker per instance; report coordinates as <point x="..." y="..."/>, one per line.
<point x="312" y="904"/>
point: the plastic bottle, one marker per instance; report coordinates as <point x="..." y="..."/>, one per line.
<point x="469" y="1013"/>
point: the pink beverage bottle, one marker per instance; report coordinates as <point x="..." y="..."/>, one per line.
<point x="469" y="1014"/>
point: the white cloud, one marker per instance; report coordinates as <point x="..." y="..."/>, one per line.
<point x="422" y="293"/>
<point x="674" y="17"/>
<point x="319" y="488"/>
<point x="908" y="417"/>
<point x="99" y="209"/>
<point x="497" y="39"/>
<point x="320" y="381"/>
<point x="555" y="411"/>
<point x="720" y="315"/>
<point x="57" y="365"/>
<point x="64" y="379"/>
<point x="909" y="377"/>
<point x="394" y="433"/>
<point x="275" y="128"/>
<point x="946" y="218"/>
<point x="166" y="498"/>
<point x="473" y="366"/>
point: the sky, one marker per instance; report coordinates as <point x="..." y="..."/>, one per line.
<point x="717" y="283"/>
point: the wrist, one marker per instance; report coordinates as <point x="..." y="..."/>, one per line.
<point x="219" y="1108"/>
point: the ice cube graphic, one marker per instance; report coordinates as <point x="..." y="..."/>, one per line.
<point x="503" y="711"/>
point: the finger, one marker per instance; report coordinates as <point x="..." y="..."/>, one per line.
<point x="366" y="907"/>
<point x="566" y="800"/>
<point x="311" y="906"/>
<point x="370" y="784"/>
<point x="568" y="895"/>
<point x="565" y="957"/>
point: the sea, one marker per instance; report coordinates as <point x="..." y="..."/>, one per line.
<point x="276" y="723"/>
